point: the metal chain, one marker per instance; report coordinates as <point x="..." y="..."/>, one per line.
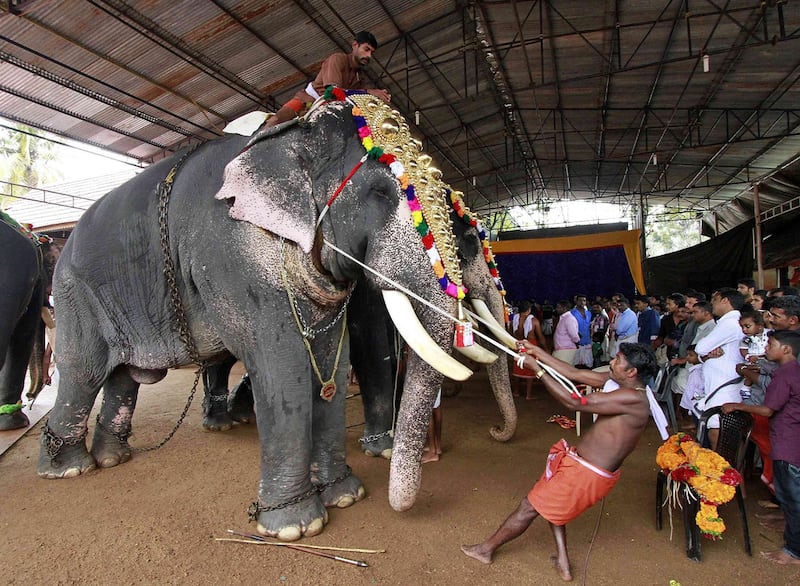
<point x="121" y="436"/>
<point x="311" y="333"/>
<point x="375" y="436"/>
<point x="53" y="443"/>
<point x="256" y="508"/>
<point x="164" y="190"/>
<point x="180" y="419"/>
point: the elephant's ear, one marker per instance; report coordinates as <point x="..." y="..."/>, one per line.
<point x="271" y="188"/>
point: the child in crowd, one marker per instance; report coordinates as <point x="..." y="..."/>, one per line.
<point x="753" y="345"/>
<point x="694" y="391"/>
<point x="782" y="406"/>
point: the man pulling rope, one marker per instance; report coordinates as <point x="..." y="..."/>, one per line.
<point x="576" y="477"/>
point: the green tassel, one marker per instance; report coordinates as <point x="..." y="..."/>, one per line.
<point x="10" y="408"/>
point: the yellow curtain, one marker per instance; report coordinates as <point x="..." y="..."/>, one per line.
<point x="627" y="239"/>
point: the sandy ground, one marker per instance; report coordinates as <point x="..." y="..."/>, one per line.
<point x="154" y="519"/>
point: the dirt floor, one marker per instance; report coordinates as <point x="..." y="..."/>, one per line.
<point x="154" y="519"/>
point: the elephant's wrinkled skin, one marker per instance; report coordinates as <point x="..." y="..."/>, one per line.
<point x="26" y="269"/>
<point x="117" y="325"/>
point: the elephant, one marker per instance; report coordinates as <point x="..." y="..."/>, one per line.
<point x="373" y="356"/>
<point x="26" y="270"/>
<point x="238" y="247"/>
<point x="373" y="352"/>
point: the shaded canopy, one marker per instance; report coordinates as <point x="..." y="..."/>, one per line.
<point x="518" y="102"/>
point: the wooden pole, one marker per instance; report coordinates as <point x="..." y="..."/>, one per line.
<point x="759" y="247"/>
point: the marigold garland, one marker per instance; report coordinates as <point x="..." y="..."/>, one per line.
<point x="708" y="473"/>
<point x="397" y="169"/>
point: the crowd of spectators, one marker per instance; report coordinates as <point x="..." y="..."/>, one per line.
<point x="721" y="350"/>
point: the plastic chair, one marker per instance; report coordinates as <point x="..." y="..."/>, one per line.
<point x="733" y="438"/>
<point x="662" y="390"/>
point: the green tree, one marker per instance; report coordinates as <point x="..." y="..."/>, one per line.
<point x="25" y="159"/>
<point x="670" y="230"/>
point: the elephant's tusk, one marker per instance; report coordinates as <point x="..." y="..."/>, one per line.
<point x="409" y="326"/>
<point x="477" y="353"/>
<point x="500" y="333"/>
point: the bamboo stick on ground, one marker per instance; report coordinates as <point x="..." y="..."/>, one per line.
<point x="257" y="539"/>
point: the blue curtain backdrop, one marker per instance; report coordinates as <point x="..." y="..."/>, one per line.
<point x="560" y="275"/>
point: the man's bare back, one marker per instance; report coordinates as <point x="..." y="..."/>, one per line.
<point x="612" y="437"/>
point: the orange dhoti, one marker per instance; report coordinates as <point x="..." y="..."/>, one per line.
<point x="569" y="485"/>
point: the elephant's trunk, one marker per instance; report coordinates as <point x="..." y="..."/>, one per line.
<point x="412" y="426"/>
<point x="498" y="378"/>
<point x="498" y="371"/>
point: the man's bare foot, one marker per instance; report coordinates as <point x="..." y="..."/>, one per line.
<point x="563" y="571"/>
<point x="430" y="456"/>
<point x="477" y="551"/>
<point x="779" y="557"/>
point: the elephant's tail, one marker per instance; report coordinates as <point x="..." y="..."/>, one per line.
<point x="36" y="364"/>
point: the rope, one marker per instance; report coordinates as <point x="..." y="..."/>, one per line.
<point x="594" y="535"/>
<point x="339" y="189"/>
<point x="410" y="293"/>
<point x="563" y="381"/>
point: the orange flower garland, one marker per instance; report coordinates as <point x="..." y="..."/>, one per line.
<point x="708" y="473"/>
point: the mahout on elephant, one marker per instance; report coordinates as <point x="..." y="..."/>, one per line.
<point x="263" y="264"/>
<point x="26" y="270"/>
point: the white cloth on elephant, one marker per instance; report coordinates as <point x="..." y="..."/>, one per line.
<point x="247" y="124"/>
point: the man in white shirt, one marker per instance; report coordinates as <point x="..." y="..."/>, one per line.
<point x="566" y="337"/>
<point x="720" y="380"/>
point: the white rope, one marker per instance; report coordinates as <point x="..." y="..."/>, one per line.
<point x="520" y="358"/>
<point x="417" y="297"/>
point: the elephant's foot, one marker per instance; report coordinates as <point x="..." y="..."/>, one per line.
<point x="15" y="420"/>
<point x="240" y="402"/>
<point x="379" y="444"/>
<point x="302" y="519"/>
<point x="215" y="413"/>
<point x="344" y="493"/>
<point x="110" y="449"/>
<point x="63" y="458"/>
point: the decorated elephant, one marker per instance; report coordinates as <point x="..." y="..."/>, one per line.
<point x="374" y="349"/>
<point x="253" y="247"/>
<point x="26" y="270"/>
<point x="374" y="354"/>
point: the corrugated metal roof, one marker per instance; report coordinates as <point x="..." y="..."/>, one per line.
<point x="62" y="204"/>
<point x="520" y="102"/>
